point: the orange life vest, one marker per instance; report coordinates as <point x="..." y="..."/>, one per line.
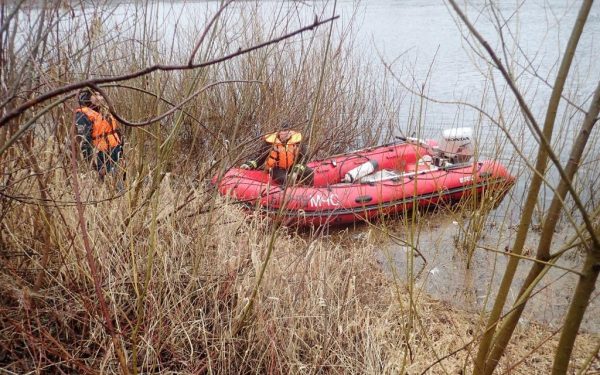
<point x="104" y="132"/>
<point x="283" y="155"/>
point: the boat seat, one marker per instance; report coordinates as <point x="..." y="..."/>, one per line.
<point x="420" y="168"/>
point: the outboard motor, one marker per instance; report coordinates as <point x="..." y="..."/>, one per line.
<point x="457" y="145"/>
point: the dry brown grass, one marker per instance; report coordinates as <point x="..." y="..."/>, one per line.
<point x="324" y="305"/>
<point x="177" y="264"/>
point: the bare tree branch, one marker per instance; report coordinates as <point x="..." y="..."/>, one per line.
<point x="92" y="263"/>
<point x="142" y="72"/>
<point x="486" y="360"/>
<point x="206" y="30"/>
<point x="167" y="113"/>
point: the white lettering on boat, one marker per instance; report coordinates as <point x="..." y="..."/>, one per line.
<point x="465" y="179"/>
<point x="319" y="200"/>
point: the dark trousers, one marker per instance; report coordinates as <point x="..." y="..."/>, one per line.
<point x="281" y="176"/>
<point x="107" y="160"/>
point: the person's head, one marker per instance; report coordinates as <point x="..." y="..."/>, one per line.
<point x="85" y="97"/>
<point x="284" y="135"/>
<point x="285" y="131"/>
<point x="90" y="98"/>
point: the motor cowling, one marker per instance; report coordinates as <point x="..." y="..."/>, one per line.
<point x="457" y="145"/>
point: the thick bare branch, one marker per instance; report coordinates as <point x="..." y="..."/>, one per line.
<point x="483" y="364"/>
<point x="167" y="113"/>
<point x="158" y="67"/>
<point x="543" y="136"/>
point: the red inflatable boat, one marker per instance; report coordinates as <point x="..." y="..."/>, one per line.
<point x="400" y="177"/>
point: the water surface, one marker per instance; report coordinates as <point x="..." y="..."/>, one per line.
<point x="421" y="43"/>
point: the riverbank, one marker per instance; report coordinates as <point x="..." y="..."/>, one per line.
<point x="324" y="303"/>
<point x="157" y="273"/>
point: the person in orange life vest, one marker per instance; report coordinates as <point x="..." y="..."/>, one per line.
<point x="280" y="155"/>
<point x="97" y="128"/>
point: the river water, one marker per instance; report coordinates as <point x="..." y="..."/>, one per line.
<point x="432" y="50"/>
<point x="422" y="44"/>
<point x="425" y="48"/>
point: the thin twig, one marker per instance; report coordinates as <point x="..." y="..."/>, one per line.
<point x="168" y="112"/>
<point x="206" y="30"/>
<point x="92" y="261"/>
<point x="511" y="254"/>
<point x="142" y="72"/>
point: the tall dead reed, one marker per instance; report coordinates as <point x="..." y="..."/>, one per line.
<point x="153" y="276"/>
